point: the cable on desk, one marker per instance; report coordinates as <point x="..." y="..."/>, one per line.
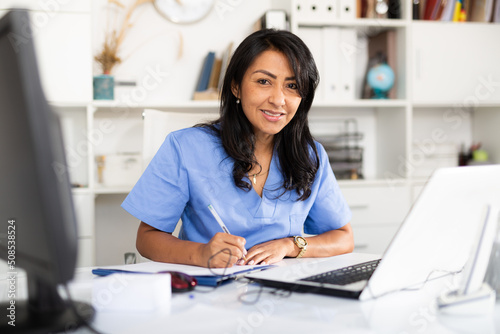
<point x="281" y="293"/>
<point x="421" y="285"/>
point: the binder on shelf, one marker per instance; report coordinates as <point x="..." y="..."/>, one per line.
<point x="313" y="38"/>
<point x="347" y="45"/>
<point x="318" y="12"/>
<point x="347" y="10"/>
<point x="331" y="64"/>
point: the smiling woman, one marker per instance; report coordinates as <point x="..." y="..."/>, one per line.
<point x="258" y="165"/>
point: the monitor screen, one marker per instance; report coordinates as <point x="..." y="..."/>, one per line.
<point x="38" y="230"/>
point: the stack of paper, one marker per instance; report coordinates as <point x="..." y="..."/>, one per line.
<point x="204" y="276"/>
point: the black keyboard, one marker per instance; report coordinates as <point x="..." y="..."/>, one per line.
<point x="346" y="275"/>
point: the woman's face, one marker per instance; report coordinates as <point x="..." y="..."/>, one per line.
<point x="268" y="93"/>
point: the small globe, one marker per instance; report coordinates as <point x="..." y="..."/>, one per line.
<point x="380" y="79"/>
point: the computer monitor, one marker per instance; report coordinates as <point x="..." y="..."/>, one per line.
<point x="38" y="230"/>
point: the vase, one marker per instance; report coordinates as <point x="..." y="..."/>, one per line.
<point x="104" y="87"/>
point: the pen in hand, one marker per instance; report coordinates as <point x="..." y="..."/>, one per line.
<point x="221" y="223"/>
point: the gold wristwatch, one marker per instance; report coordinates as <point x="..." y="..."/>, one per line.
<point x="301" y="242"/>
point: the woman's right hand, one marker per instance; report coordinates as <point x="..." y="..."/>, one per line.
<point x="223" y="250"/>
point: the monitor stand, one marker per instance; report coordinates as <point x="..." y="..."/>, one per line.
<point x="44" y="311"/>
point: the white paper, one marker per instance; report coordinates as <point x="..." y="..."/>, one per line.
<point x="155" y="267"/>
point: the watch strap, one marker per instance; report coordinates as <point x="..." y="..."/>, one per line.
<point x="301" y="247"/>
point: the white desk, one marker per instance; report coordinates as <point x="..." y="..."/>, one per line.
<point x="219" y="311"/>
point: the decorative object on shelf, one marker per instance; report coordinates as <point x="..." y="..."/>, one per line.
<point x="272" y="19"/>
<point x="184" y="11"/>
<point x="381" y="8"/>
<point x="381" y="50"/>
<point x="104" y="87"/>
<point x="109" y="57"/>
<point x="381" y="79"/>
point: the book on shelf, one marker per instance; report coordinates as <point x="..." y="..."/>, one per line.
<point x="431" y="9"/>
<point x="457" y="10"/>
<point x="496" y="12"/>
<point x="206" y="70"/>
<point x="212" y="75"/>
<point x="482" y="10"/>
<point x="226" y="57"/>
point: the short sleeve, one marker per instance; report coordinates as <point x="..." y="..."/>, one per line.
<point x="329" y="210"/>
<point x="161" y="194"/>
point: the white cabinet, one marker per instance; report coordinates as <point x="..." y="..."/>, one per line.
<point x="456" y="63"/>
<point x="377" y="212"/>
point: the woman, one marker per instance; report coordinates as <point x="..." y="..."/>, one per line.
<point x="257" y="165"/>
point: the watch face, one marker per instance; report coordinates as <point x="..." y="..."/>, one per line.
<point x="184" y="11"/>
<point x="301" y="242"/>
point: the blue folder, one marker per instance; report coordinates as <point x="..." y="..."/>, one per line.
<point x="204" y="280"/>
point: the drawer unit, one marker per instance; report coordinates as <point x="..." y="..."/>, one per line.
<point x="375" y="205"/>
<point x="373" y="239"/>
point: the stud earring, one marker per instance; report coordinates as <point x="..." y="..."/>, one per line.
<point x="237" y="101"/>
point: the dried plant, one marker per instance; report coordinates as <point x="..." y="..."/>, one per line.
<point x="108" y="57"/>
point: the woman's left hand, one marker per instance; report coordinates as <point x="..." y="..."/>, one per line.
<point x="269" y="252"/>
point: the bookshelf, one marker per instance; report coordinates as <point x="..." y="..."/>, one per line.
<point x="379" y="201"/>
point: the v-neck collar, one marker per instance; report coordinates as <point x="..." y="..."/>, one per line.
<point x="263" y="207"/>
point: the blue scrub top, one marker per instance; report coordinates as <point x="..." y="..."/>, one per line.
<point x="191" y="170"/>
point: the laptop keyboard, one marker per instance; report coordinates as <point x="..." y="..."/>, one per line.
<point x="346" y="275"/>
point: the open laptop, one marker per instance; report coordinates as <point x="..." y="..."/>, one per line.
<point x="435" y="239"/>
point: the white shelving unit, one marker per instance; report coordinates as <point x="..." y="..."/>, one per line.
<point x="448" y="92"/>
<point x="429" y="99"/>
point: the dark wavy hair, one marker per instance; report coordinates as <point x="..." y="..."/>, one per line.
<point x="294" y="144"/>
